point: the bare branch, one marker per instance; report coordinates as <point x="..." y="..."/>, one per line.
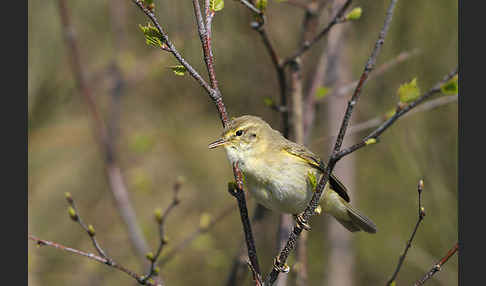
<point x="438" y="266"/>
<point x="237" y="191"/>
<point x="111" y="263"/>
<point x="74" y="214"/>
<point x="161" y="219"/>
<point x="403" y="56"/>
<point x="306" y="45"/>
<point x="421" y="215"/>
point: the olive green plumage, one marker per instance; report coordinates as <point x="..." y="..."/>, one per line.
<point x="278" y="172"/>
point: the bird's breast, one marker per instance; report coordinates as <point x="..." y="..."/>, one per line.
<point x="282" y="186"/>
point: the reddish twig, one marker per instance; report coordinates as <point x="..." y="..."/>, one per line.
<point x="111" y="263"/>
<point x="421" y="215"/>
<point x="438" y="266"/>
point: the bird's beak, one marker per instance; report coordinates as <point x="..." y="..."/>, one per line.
<point x="217" y="143"/>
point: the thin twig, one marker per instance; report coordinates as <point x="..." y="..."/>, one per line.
<point x="161" y="219"/>
<point x="251" y="7"/>
<point x="385" y="125"/>
<point x="309" y="211"/>
<point x="421" y="215"/>
<point x="116" y="181"/>
<point x="214" y="94"/>
<point x="74" y="214"/>
<point x="113" y="264"/>
<point x="376" y="121"/>
<point x="306" y="45"/>
<point x="438" y="266"/>
<point x="403" y="56"/>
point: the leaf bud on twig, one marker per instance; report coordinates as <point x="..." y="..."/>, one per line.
<point x="73" y="214"/>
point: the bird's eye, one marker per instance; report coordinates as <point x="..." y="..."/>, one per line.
<point x="239" y="132"/>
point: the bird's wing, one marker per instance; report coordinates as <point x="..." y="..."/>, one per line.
<point x="314" y="161"/>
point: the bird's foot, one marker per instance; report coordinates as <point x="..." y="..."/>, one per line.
<point x="278" y="266"/>
<point x="301" y="223"/>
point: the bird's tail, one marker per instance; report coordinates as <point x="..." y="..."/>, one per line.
<point x="349" y="217"/>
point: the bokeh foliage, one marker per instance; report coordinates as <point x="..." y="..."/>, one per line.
<point x="168" y="120"/>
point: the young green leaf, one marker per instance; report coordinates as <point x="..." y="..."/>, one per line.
<point x="152" y="35"/>
<point x="451" y="87"/>
<point x="354" y="14"/>
<point x="370" y="141"/>
<point x="261" y="5"/>
<point x="178" y="69"/>
<point x="216" y="5"/>
<point x="409" y="91"/>
<point x="322" y="92"/>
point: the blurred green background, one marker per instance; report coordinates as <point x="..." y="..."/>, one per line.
<point x="167" y="121"/>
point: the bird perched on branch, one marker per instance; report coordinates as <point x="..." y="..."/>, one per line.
<point x="282" y="175"/>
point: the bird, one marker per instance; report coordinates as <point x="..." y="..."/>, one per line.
<point x="281" y="174"/>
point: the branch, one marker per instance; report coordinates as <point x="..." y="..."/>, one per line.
<point x="110" y="263"/>
<point x="214" y="94"/>
<point x="74" y="214"/>
<point x="437" y="267"/>
<point x="212" y="91"/>
<point x="377" y="132"/>
<point x="279" y="264"/>
<point x="161" y="219"/>
<point x="376" y="121"/>
<point x="403" y="56"/>
<point x="116" y="181"/>
<point x="237" y="191"/>
<point x="306" y="45"/>
<point x="279" y="69"/>
<point x="421" y="215"/>
<point x="238" y="268"/>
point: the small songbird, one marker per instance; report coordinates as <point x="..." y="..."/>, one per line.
<point x="281" y="174"/>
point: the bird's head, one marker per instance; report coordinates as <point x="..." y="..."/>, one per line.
<point x="244" y="136"/>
